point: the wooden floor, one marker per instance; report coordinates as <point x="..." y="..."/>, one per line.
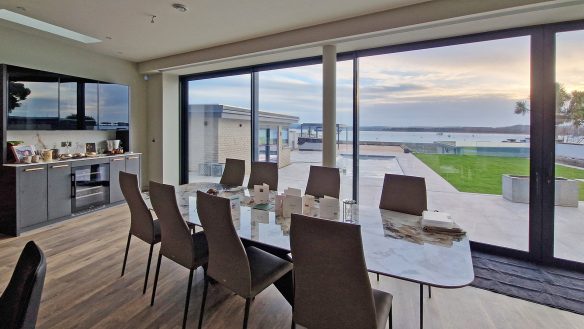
<point x="83" y="289"/>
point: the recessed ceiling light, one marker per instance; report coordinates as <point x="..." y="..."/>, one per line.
<point x="46" y="27"/>
<point x="180" y="7"/>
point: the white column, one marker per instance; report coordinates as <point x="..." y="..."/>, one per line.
<point x="329" y="108"/>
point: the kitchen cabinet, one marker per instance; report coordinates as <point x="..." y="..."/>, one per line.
<point x="133" y="164"/>
<point x="117" y="164"/>
<point x="31" y="195"/>
<point x="59" y="190"/>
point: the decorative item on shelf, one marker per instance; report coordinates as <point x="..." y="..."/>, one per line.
<point x="21" y="151"/>
<point x="36" y="158"/>
<point x="90" y="148"/>
<point x="212" y="191"/>
<point x="47" y="155"/>
<point x="55" y="153"/>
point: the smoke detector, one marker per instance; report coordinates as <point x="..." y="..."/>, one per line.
<point x="180" y="7"/>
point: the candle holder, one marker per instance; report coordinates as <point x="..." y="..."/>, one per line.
<point x="349" y="211"/>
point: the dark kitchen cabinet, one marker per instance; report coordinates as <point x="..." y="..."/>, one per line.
<point x="59" y="190"/>
<point x="31" y="195"/>
<point x="114" y="110"/>
<point x="117" y="164"/>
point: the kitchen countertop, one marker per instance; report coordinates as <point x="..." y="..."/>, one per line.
<point x="69" y="160"/>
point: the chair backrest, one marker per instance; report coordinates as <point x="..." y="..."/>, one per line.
<point x="331" y="286"/>
<point x="176" y="239"/>
<point x="141" y="221"/>
<point x="323" y="181"/>
<point x="19" y="304"/>
<point x="264" y="172"/>
<point x="228" y="263"/>
<point x="405" y="194"/>
<point x="234" y="172"/>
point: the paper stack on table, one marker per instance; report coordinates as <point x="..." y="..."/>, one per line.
<point x="329" y="208"/>
<point x="261" y="194"/>
<point x="440" y="222"/>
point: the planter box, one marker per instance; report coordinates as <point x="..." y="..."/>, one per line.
<point x="516" y="189"/>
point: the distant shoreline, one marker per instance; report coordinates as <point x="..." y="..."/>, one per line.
<point x="516" y="129"/>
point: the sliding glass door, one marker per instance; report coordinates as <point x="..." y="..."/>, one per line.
<point x="569" y="147"/>
<point x="218" y="118"/>
<point x="290" y="121"/>
<point x="459" y="117"/>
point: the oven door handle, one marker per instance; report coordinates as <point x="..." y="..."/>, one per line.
<point x="73" y="189"/>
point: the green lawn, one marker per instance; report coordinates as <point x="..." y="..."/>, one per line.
<point x="482" y="174"/>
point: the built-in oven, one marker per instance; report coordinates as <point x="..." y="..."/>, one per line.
<point x="89" y="187"/>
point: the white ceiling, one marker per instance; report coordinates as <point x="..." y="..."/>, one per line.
<point x="207" y="23"/>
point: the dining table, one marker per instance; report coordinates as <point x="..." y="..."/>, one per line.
<point x="394" y="244"/>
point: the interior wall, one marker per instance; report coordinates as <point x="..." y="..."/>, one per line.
<point x="164" y="128"/>
<point x="27" y="50"/>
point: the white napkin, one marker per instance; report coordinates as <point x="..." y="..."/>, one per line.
<point x="261" y="194"/>
<point x="291" y="204"/>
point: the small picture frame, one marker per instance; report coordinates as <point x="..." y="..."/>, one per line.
<point x="90" y="147"/>
<point x="21" y="151"/>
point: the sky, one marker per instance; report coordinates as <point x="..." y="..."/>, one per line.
<point x="474" y="84"/>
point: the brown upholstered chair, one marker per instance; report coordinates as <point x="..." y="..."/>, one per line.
<point x="142" y="225"/>
<point x="19" y="304"/>
<point x="245" y="271"/>
<point x="405" y="194"/>
<point x="234" y="172"/>
<point x="331" y="286"/>
<point x="323" y="181"/>
<point x="178" y="244"/>
<point x="264" y="173"/>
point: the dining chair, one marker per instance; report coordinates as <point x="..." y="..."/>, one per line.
<point x="323" y="181"/>
<point x="331" y="286"/>
<point x="178" y="244"/>
<point x="234" y="172"/>
<point x="142" y="224"/>
<point x="246" y="271"/>
<point x="19" y="304"/>
<point x="264" y="173"/>
<point x="403" y="193"/>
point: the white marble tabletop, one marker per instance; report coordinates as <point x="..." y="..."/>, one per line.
<point x="418" y="256"/>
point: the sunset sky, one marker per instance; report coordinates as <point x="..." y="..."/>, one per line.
<point x="474" y="84"/>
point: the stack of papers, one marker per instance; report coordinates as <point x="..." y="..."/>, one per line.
<point x="440" y="222"/>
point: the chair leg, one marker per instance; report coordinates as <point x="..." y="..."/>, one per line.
<point x="204" y="300"/>
<point x="126" y="255"/>
<point x="246" y="315"/>
<point x="390" y="318"/>
<point x="184" y="325"/>
<point x="156" y="278"/>
<point x="148" y="269"/>
<point x="377" y="276"/>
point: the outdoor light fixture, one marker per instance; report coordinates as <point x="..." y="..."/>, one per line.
<point x="44" y="26"/>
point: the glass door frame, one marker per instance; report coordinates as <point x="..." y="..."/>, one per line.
<point x="542" y="125"/>
<point x="549" y="148"/>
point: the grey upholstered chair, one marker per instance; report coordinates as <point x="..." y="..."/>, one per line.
<point x="264" y="172"/>
<point x="331" y="285"/>
<point x="323" y="181"/>
<point x="245" y="271"/>
<point x="178" y="244"/>
<point x="234" y="172"/>
<point x="19" y="304"/>
<point x="405" y="194"/>
<point x="142" y="225"/>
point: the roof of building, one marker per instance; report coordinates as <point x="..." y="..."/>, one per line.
<point x="240" y="113"/>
